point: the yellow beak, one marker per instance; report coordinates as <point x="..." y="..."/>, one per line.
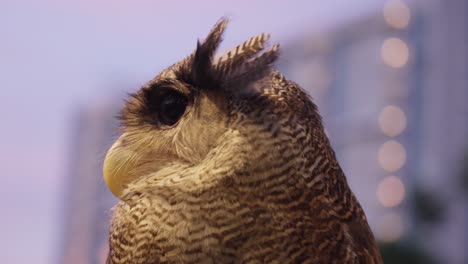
<point x="118" y="163"/>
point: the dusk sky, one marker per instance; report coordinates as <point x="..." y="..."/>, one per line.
<point x="60" y="56"/>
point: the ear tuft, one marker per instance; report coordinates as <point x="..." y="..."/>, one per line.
<point x="235" y="57"/>
<point x="247" y="66"/>
<point x="236" y="69"/>
<point x="202" y="70"/>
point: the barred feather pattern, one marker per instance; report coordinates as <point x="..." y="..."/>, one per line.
<point x="241" y="53"/>
<point x="270" y="191"/>
<point x="281" y="197"/>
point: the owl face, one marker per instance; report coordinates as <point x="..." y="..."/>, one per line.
<point x="167" y="121"/>
<point x="179" y="117"/>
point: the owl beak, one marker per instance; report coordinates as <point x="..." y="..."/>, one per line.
<point x="118" y="163"/>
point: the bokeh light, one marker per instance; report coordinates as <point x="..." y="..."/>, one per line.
<point x="391" y="191"/>
<point x="392" y="156"/>
<point x="392" y="120"/>
<point x="397" y="14"/>
<point x="391" y="227"/>
<point x="395" y="52"/>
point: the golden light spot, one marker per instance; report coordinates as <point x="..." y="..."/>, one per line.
<point x="390" y="228"/>
<point x="397" y="14"/>
<point x="392" y="120"/>
<point x="395" y="52"/>
<point x="391" y="191"/>
<point x="391" y="156"/>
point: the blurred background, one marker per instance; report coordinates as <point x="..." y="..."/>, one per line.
<point x="390" y="78"/>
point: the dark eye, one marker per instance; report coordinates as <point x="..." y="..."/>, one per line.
<point x="171" y="106"/>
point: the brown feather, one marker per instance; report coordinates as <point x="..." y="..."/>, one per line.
<point x="239" y="179"/>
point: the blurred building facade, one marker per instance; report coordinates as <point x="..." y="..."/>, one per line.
<point x="88" y="202"/>
<point x="440" y="37"/>
<point x="393" y="91"/>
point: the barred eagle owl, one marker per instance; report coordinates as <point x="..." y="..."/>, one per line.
<point x="224" y="160"/>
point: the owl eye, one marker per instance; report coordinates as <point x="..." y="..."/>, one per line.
<point x="171" y="107"/>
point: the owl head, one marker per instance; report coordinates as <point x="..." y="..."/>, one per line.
<point x="206" y="120"/>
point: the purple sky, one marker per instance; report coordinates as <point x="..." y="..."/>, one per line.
<point x="56" y="56"/>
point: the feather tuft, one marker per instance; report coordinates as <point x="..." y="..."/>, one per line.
<point x="202" y="67"/>
<point x="235" y="69"/>
<point x="251" y="70"/>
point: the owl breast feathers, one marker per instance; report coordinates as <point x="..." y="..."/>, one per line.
<point x="226" y="161"/>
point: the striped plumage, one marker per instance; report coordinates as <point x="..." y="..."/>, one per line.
<point x="247" y="174"/>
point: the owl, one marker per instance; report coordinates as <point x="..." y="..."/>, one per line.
<point x="221" y="159"/>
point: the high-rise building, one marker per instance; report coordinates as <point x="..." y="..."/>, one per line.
<point x="88" y="202"/>
<point x="440" y="90"/>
